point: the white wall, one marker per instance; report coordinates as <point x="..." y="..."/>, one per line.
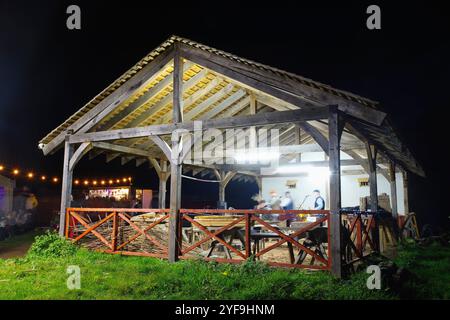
<point x="305" y="186"/>
<point x="351" y="191"/>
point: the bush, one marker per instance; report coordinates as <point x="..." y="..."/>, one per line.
<point x="51" y="245"/>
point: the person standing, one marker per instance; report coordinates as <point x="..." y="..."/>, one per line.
<point x="287" y="203"/>
<point x="319" y="203"/>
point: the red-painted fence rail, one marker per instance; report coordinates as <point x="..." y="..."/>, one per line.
<point x="245" y="234"/>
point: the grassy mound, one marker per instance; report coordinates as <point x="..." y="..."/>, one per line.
<point x="42" y="274"/>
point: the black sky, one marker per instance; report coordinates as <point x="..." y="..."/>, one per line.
<point x="48" y="72"/>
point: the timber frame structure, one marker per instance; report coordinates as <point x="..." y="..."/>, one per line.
<point x="182" y="81"/>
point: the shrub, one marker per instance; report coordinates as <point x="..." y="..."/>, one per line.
<point x="50" y="245"/>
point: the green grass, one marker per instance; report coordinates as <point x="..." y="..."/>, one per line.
<point x="42" y="275"/>
<point x="430" y="267"/>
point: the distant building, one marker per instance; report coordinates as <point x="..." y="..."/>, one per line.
<point x="6" y="194"/>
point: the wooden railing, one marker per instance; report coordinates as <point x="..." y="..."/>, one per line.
<point x="240" y="235"/>
<point x="358" y="237"/>
<point x="114" y="230"/>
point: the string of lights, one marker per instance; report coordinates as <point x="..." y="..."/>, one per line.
<point x="17" y="173"/>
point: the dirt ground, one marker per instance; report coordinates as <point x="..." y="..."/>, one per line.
<point x="17" y="246"/>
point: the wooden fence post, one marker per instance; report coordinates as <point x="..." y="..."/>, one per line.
<point x="335" y="127"/>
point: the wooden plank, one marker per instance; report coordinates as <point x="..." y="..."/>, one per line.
<point x="372" y="161"/>
<point x="393" y="187"/>
<point x="147" y="96"/>
<point x="163" y="176"/>
<point x="162" y="145"/>
<point x="66" y="187"/>
<point x="316" y="134"/>
<point x="176" y="167"/>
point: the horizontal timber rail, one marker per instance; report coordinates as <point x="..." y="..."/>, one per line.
<point x="283" y="238"/>
<point x="139" y="232"/>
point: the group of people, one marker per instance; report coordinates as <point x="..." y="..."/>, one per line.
<point x="286" y="202"/>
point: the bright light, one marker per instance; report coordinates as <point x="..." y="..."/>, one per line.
<point x="294" y="169"/>
<point x="118" y="180"/>
<point x="86" y="182"/>
<point x="94" y="183"/>
<point x="103" y="182"/>
<point x="256" y="156"/>
<point x="111" y="182"/>
<point x="30" y="175"/>
<point x="55" y="179"/>
<point x="16" y="172"/>
<point x="43" y="178"/>
<point x="1" y="168"/>
<point x="77" y="182"/>
<point x="124" y="179"/>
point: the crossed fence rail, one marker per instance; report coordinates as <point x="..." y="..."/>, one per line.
<point x="246" y="235"/>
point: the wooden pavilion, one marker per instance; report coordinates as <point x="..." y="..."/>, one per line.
<point x="182" y="82"/>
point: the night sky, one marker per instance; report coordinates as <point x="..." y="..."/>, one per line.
<point x="47" y="72"/>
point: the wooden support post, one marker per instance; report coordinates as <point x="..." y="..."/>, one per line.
<point x="298" y="141"/>
<point x="225" y="178"/>
<point x="66" y="187"/>
<point x="372" y="161"/>
<point x="405" y="191"/>
<point x="334" y="133"/>
<point x="253" y="107"/>
<point x="175" y="165"/>
<point x="115" y="231"/>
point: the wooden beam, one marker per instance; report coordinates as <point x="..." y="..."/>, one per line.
<point x="163" y="176"/>
<point x="139" y="80"/>
<point x="194" y="112"/>
<point x="176" y="167"/>
<point x="223" y="105"/>
<point x="283" y="88"/>
<point x="336" y="240"/>
<point x="259" y="119"/>
<point x="167" y="100"/>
